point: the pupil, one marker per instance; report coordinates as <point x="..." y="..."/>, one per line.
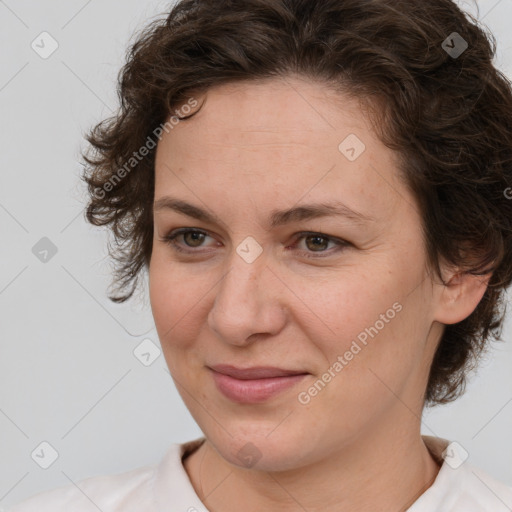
<point x="316" y="238"/>
<point x="196" y="237"/>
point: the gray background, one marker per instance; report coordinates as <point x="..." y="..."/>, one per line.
<point x="69" y="375"/>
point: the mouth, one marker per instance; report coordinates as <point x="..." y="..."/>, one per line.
<point x="254" y="385"/>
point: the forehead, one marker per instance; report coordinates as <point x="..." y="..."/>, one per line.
<point x="278" y="140"/>
<point x="285" y="109"/>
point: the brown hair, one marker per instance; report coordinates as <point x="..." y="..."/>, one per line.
<point x="449" y="117"/>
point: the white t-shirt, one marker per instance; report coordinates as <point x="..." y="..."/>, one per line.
<point x="166" y="487"/>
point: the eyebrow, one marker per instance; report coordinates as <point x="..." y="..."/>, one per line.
<point x="277" y="217"/>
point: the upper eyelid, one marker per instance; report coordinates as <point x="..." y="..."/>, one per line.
<point x="180" y="231"/>
<point x="297" y="236"/>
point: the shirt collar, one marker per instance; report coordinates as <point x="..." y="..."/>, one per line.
<point x="173" y="486"/>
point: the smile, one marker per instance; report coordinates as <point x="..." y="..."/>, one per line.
<point x="253" y="390"/>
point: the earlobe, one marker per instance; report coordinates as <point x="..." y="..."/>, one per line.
<point x="460" y="296"/>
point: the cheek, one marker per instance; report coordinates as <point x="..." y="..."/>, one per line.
<point x="362" y="322"/>
<point x="170" y="295"/>
<point x="160" y="286"/>
<point x="335" y="309"/>
<point x="179" y="303"/>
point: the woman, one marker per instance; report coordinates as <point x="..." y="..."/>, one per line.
<point x="318" y="191"/>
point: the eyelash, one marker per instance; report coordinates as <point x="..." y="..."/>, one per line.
<point x="171" y="237"/>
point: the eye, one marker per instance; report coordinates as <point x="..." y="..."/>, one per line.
<point x="315" y="242"/>
<point x="196" y="238"/>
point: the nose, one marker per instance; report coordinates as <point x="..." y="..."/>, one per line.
<point x="248" y="303"/>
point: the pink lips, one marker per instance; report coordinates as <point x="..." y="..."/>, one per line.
<point x="253" y="385"/>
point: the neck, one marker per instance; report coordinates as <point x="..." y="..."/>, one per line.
<point x="387" y="468"/>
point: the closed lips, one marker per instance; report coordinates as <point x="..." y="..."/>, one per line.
<point x="259" y="372"/>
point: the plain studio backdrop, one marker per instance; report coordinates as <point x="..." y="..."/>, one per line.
<point x="84" y="388"/>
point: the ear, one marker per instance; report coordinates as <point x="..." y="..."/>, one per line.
<point x="460" y="296"/>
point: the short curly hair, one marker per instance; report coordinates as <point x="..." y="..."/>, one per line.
<point x="447" y="115"/>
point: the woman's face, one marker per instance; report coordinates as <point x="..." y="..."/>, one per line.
<point x="349" y="304"/>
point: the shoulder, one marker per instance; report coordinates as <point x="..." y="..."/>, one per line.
<point x="479" y="492"/>
<point x="460" y="486"/>
<point x="110" y="493"/>
<point x="142" y="489"/>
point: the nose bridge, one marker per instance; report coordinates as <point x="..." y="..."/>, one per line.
<point x="245" y="302"/>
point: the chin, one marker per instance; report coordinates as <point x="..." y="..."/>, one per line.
<point x="280" y="451"/>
